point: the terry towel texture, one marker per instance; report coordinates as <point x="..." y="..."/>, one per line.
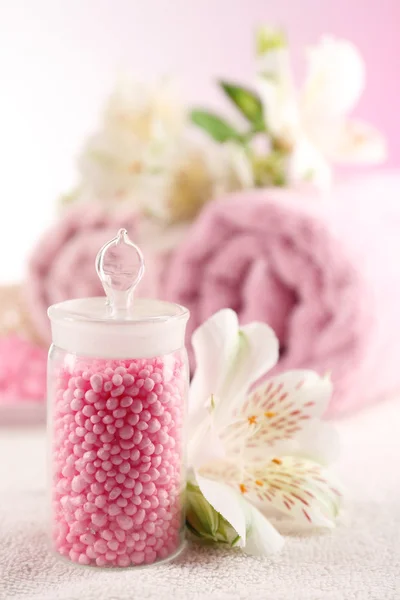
<point x="323" y="273"/>
<point x="360" y="560"/>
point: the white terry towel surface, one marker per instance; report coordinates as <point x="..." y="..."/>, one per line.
<point x="360" y="560"/>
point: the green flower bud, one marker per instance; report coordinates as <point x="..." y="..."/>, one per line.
<point x="268" y="39"/>
<point x="204" y="521"/>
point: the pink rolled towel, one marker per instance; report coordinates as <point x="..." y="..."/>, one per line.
<point x="324" y="273"/>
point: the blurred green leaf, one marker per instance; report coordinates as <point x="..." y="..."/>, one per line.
<point x="218" y="128"/>
<point x="247" y="102"/>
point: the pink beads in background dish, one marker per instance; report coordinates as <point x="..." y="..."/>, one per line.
<point x="117" y="466"/>
<point x="22" y="371"/>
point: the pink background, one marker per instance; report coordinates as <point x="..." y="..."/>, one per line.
<point x="60" y="57"/>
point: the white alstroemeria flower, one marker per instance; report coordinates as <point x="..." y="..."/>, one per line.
<point x="130" y="157"/>
<point x="246" y="448"/>
<point x="142" y="156"/>
<point x="313" y="122"/>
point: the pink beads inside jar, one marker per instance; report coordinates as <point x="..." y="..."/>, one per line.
<point x="117" y="467"/>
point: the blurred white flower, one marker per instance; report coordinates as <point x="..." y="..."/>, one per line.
<point x="335" y="78"/>
<point x="313" y="123"/>
<point x="141" y="155"/>
<point x="250" y="450"/>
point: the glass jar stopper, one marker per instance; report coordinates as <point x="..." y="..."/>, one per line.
<point x="120" y="267"/>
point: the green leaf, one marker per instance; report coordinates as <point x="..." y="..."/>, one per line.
<point x="247" y="102"/>
<point x="218" y="128"/>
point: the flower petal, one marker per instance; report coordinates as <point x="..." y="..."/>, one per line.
<point x="298" y="487"/>
<point x="226" y="501"/>
<point x="335" y="80"/>
<point x="262" y="538"/>
<point x="275" y="87"/>
<point x="257" y="352"/>
<point x="308" y="164"/>
<point x="204" y="444"/>
<point x="215" y="345"/>
<point x="359" y="142"/>
<point x="280" y="408"/>
<point x="318" y="441"/>
<point x="229" y="361"/>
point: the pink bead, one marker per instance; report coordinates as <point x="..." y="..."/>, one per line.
<point x="115" y="492"/>
<point x="100" y="546"/>
<point x="117" y="379"/>
<point x="130" y="509"/>
<point x="136" y="406"/>
<point x="88" y="410"/>
<point x="96" y="381"/>
<point x="138" y="488"/>
<point x="125" y="522"/>
<point x="97" y="488"/>
<point x="126" y="401"/>
<point x="142" y="426"/>
<point x="91" y="396"/>
<point x="114" y="510"/>
<point x="124" y="560"/>
<point x="106" y="534"/>
<point x="127" y="444"/>
<point x="133" y="419"/>
<point x="112" y="403"/>
<point x="109" y="484"/>
<point x="119" y="413"/>
<point x="149" y="488"/>
<point x="149" y="527"/>
<point x="87" y="538"/>
<point x="110" y="556"/>
<point x="126" y="432"/>
<point x="76" y="404"/>
<point x="99" y="519"/>
<point x="100" y="501"/>
<point x="137" y="558"/>
<point x="120" y="535"/>
<point x="83" y="559"/>
<point x="91" y="438"/>
<point x="154" y="425"/>
<point x="139" y="517"/>
<point x="78" y="484"/>
<point x="148" y="384"/>
<point x="120" y="478"/>
<point x="118" y="391"/>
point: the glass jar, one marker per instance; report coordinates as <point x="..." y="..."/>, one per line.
<point x="117" y="389"/>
